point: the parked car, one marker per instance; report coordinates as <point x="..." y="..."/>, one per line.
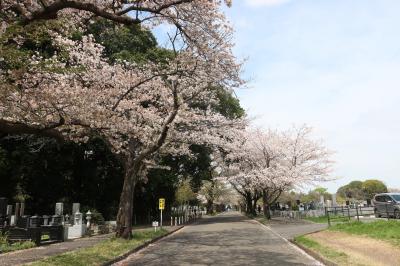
<point x="387" y="204"/>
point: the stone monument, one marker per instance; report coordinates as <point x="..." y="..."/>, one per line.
<point x="334" y="203"/>
<point x="9" y="213"/>
<point x="75" y="208"/>
<point x="78" y="229"/>
<point x="59" y="208"/>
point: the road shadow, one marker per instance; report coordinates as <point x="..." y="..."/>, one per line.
<point x="222" y="218"/>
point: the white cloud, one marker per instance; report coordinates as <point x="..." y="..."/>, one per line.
<point x="266" y="2"/>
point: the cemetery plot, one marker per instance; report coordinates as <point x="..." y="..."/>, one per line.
<point x="16" y="227"/>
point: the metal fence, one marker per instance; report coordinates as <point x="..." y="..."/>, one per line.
<point x="342" y="214"/>
<point x="296" y="215"/>
<point x="347" y="213"/>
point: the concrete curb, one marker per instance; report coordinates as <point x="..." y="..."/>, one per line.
<point x="314" y="254"/>
<point x="146" y="244"/>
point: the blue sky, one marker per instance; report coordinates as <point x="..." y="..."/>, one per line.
<point x="334" y="65"/>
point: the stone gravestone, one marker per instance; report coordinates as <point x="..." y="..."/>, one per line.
<point x="46" y="219"/>
<point x="322" y="201"/>
<point x="22" y="209"/>
<point x="9" y="214"/>
<point x="75" y="208"/>
<point x="9" y="210"/>
<point x="78" y="228"/>
<point x="59" y="208"/>
<point x="334" y="203"/>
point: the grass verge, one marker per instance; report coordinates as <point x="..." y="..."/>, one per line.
<point x="102" y="252"/>
<point x="383" y="230"/>
<point x="4" y="248"/>
<point x="324" y="219"/>
<point x="325" y="252"/>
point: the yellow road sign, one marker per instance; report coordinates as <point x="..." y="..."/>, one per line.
<point x="161" y="204"/>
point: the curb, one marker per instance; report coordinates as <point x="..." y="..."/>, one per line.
<point x="313" y="254"/>
<point x="146" y="244"/>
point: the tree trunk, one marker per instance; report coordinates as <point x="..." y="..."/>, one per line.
<point x="254" y="207"/>
<point x="125" y="210"/>
<point x="267" y="213"/>
<point x="248" y="204"/>
<point x="210" y="207"/>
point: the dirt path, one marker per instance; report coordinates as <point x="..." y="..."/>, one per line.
<point x="361" y="250"/>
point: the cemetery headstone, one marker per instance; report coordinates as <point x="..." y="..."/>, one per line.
<point x="75" y="208"/>
<point x="59" y="208"/>
<point x="334" y="203"/>
<point x="46" y="220"/>
<point x="34" y="221"/>
<point x="12" y="220"/>
<point x="23" y="221"/>
<point x="22" y="209"/>
<point x="9" y="210"/>
<point x="56" y="220"/>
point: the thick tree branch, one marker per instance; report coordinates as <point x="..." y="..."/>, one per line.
<point x="7" y="127"/>
<point x="51" y="10"/>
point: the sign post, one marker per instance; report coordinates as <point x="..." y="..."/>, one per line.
<point x="161" y="206"/>
<point x="155" y="224"/>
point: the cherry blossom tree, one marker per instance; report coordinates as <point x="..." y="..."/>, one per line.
<point x="70" y="90"/>
<point x="271" y="162"/>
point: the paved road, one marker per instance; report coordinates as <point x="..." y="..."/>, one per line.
<point x="227" y="239"/>
<point x="291" y="229"/>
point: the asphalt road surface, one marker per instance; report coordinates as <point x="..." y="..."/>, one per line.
<point x="226" y="239"/>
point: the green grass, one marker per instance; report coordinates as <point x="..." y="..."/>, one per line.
<point x="319" y="220"/>
<point x="102" y="252"/>
<point x="324" y="219"/>
<point x="328" y="253"/>
<point x="383" y="230"/>
<point x="5" y="246"/>
<point x="16" y="246"/>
